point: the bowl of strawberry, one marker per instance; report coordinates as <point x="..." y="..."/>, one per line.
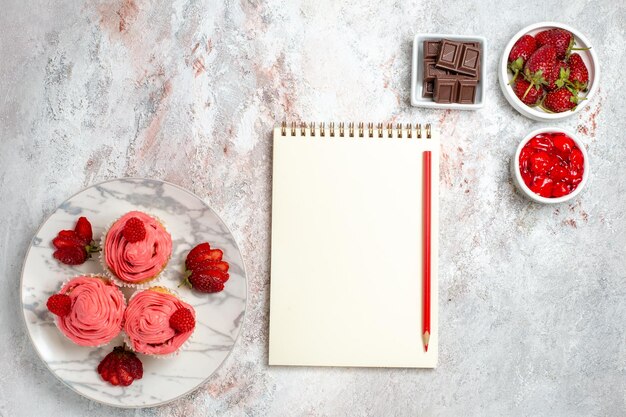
<point x="550" y="165"/>
<point x="549" y="71"/>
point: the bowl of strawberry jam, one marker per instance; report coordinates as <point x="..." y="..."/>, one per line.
<point x="550" y="166"/>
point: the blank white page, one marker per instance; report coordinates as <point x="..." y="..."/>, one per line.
<point x="346" y="273"/>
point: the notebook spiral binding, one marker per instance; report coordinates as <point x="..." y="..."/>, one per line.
<point x="380" y="131"/>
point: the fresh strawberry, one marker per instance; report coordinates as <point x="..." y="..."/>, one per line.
<point x="120" y="367"/>
<point x="560" y="100"/>
<point x="579" y="75"/>
<point x="59" y="304"/>
<point x="68" y="239"/>
<point x="520" y="52"/>
<point x="198" y="254"/>
<point x="75" y="246"/>
<point x="532" y="97"/>
<point x="561" y="39"/>
<point x="205" y="269"/>
<point x="197" y="251"/>
<point x="210" y="270"/>
<point x="539" y="66"/>
<point x="212" y="255"/>
<point x="74" y="255"/>
<point x="211" y="264"/>
<point x="83" y="229"/>
<point x="182" y="320"/>
<point x="134" y="230"/>
<point x="558" y="76"/>
<point x="205" y="282"/>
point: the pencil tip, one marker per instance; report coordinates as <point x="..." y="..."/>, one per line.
<point x="426" y="339"/>
<point x="426" y="348"/>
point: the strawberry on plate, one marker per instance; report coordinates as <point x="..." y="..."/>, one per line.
<point x="562" y="40"/>
<point x="205" y="282"/>
<point x="539" y="66"/>
<point x="74" y="247"/>
<point x="530" y="95"/>
<point x="579" y="75"/>
<point x="520" y="52"/>
<point x="560" y="100"/>
<point x="120" y="367"/>
<point x="83" y="229"/>
<point x="558" y="76"/>
<point x="206" y="271"/>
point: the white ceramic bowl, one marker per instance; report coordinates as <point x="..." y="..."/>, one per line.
<point x="417" y="75"/>
<point x="589" y="57"/>
<point x="519" y="181"/>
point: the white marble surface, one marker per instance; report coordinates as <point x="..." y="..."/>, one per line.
<point x="532" y="298"/>
<point x="219" y="316"/>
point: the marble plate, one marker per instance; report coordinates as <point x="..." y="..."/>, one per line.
<point x="219" y="316"/>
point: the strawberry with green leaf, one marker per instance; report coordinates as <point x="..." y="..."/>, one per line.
<point x="579" y="75"/>
<point x="558" y="76"/>
<point x="560" y="100"/>
<point x="539" y="67"/>
<point x="529" y="97"/>
<point x="74" y="247"/>
<point x="520" y="52"/>
<point x="206" y="271"/>
<point x="562" y="40"/>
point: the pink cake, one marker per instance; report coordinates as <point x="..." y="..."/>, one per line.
<point x="97" y="311"/>
<point x="136" y="262"/>
<point x="147" y="322"/>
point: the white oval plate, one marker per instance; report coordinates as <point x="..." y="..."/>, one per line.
<point x="219" y="316"/>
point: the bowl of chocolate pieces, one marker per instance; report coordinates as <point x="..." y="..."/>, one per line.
<point x="448" y="72"/>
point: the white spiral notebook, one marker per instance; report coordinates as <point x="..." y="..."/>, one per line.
<point x="346" y="272"/>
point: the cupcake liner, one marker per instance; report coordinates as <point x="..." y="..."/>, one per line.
<point x="56" y="318"/>
<point x="174" y="354"/>
<point x="154" y="281"/>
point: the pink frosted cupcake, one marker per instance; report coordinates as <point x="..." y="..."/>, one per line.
<point x="135" y="249"/>
<point x="157" y="322"/>
<point x="89" y="309"/>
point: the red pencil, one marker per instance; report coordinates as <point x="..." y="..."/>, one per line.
<point x="426" y="247"/>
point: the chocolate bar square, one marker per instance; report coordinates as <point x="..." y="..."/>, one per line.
<point x="431" y="70"/>
<point x="475" y="76"/>
<point x="428" y="88"/>
<point x="431" y="49"/>
<point x="467" y="90"/>
<point x="445" y="90"/>
<point x="469" y="60"/>
<point x="449" y="54"/>
<point x="474" y="44"/>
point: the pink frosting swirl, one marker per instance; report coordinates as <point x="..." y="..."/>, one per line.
<point x="97" y="311"/>
<point x="147" y="322"/>
<point x="141" y="261"/>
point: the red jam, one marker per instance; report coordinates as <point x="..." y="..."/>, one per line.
<point x="551" y="164"/>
